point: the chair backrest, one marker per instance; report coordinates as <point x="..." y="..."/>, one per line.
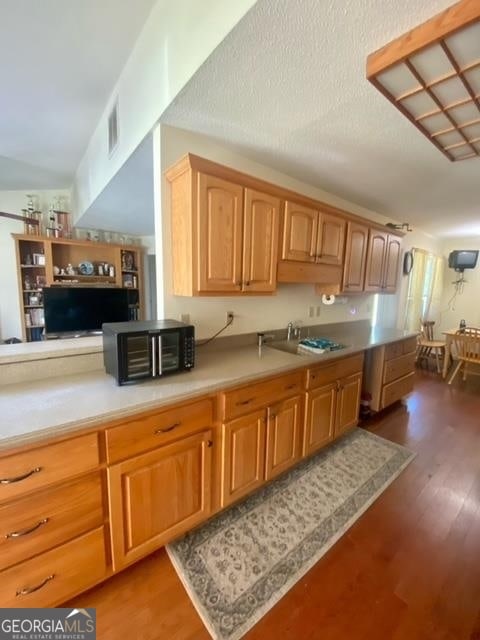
<point x="467" y="345"/>
<point x="427" y="328"/>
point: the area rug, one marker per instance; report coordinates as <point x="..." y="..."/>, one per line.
<point x="239" y="564"/>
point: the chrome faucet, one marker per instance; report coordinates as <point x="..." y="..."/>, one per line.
<point x="293" y="331"/>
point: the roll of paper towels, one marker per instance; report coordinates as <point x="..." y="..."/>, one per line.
<point x="326" y="299"/>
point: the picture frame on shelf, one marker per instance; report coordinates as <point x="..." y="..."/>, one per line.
<point x="38" y="259"/>
<point x="40" y="281"/>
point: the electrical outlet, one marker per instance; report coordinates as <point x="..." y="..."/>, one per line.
<point x="185" y="318"/>
<point x="318" y="310"/>
<point x="311" y="311"/>
<point x="230" y="316"/>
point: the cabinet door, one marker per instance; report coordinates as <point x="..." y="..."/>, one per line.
<point x="220" y="227"/>
<point x="243" y="464"/>
<point x="377" y="249"/>
<point x="260" y="241"/>
<point x="320" y="418"/>
<point x="157" y="496"/>
<point x="283" y="436"/>
<point x="355" y="257"/>
<point x="331" y="239"/>
<point x="300" y="226"/>
<point x="348" y="402"/>
<point x="392" y="264"/>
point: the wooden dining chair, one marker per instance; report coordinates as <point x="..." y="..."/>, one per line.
<point x="427" y="346"/>
<point x="467" y="347"/>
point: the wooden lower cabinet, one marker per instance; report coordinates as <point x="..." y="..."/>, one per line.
<point x="319" y="418"/>
<point x="348" y="403"/>
<point x="57" y="575"/>
<point x="243" y="456"/>
<point x="284" y="426"/>
<point x="159" y="495"/>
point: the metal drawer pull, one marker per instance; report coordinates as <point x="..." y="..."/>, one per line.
<point x="246" y="401"/>
<point x="20" y="478"/>
<point x="167" y="429"/>
<point x="290" y="386"/>
<point x="25" y="532"/>
<point x="26" y="590"/>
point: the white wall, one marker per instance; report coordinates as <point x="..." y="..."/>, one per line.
<point x="14" y="202"/>
<point x="176" y="39"/>
<point x="292" y="302"/>
<point x="466" y="305"/>
<point x="391" y="309"/>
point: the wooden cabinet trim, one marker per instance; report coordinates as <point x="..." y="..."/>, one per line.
<point x="198" y="163"/>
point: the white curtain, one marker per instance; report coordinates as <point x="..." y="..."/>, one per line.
<point x="425" y="286"/>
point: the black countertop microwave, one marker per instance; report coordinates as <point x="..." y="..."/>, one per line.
<point x="136" y="350"/>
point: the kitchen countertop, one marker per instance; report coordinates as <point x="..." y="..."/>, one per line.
<point x="51" y="407"/>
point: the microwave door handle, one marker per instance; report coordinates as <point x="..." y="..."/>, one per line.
<point x="154" y="357"/>
<point x="159" y="339"/>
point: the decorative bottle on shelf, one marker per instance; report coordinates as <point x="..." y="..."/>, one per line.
<point x="111" y="271"/>
<point x="462" y="326"/>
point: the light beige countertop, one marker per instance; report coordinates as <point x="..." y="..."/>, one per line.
<point x="27" y="351"/>
<point x="31" y="411"/>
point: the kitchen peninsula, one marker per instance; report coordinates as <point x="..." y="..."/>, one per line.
<point x="81" y="435"/>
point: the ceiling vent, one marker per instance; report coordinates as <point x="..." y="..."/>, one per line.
<point x="113" y="129"/>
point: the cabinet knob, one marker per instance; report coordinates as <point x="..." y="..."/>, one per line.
<point x="209" y="443"/>
<point x="247" y="283"/>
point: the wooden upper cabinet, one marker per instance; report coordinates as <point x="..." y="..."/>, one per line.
<point x="220" y="228"/>
<point x="330" y="239"/>
<point x="383" y="259"/>
<point x="355" y="257"/>
<point x="392" y="264"/>
<point x="300" y="226"/>
<point x="260" y="241"/>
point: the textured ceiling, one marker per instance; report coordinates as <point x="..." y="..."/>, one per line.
<point x="287" y="88"/>
<point x="59" y="62"/>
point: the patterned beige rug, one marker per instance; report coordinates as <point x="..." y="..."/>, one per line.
<point x="238" y="565"/>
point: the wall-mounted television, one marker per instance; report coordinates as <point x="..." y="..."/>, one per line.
<point x="83" y="310"/>
<point x="465" y="259"/>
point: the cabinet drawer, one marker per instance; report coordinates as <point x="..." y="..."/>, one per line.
<point x="394" y="350"/>
<point x="137" y="436"/>
<point x="41" y="521"/>
<point x="398" y="367"/>
<point x="410" y="345"/>
<point x="57" y="575"/>
<point x="396" y="390"/>
<point x="240" y="401"/>
<point x="319" y="376"/>
<point x="40" y="467"/>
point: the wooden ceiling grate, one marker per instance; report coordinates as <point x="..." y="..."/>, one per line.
<point x="432" y="76"/>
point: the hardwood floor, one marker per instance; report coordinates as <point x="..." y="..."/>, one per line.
<point x="409" y="569"/>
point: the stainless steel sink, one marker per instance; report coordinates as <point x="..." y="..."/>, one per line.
<point x="290" y="346"/>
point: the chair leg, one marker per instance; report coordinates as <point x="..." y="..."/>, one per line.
<point x="455" y="371"/>
<point x="438" y="360"/>
<point x="465" y="372"/>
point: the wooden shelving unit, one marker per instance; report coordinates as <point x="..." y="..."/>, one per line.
<point x="45" y="262"/>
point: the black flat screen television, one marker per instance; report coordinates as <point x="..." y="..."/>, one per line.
<point x="460" y="260"/>
<point x="83" y="310"/>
